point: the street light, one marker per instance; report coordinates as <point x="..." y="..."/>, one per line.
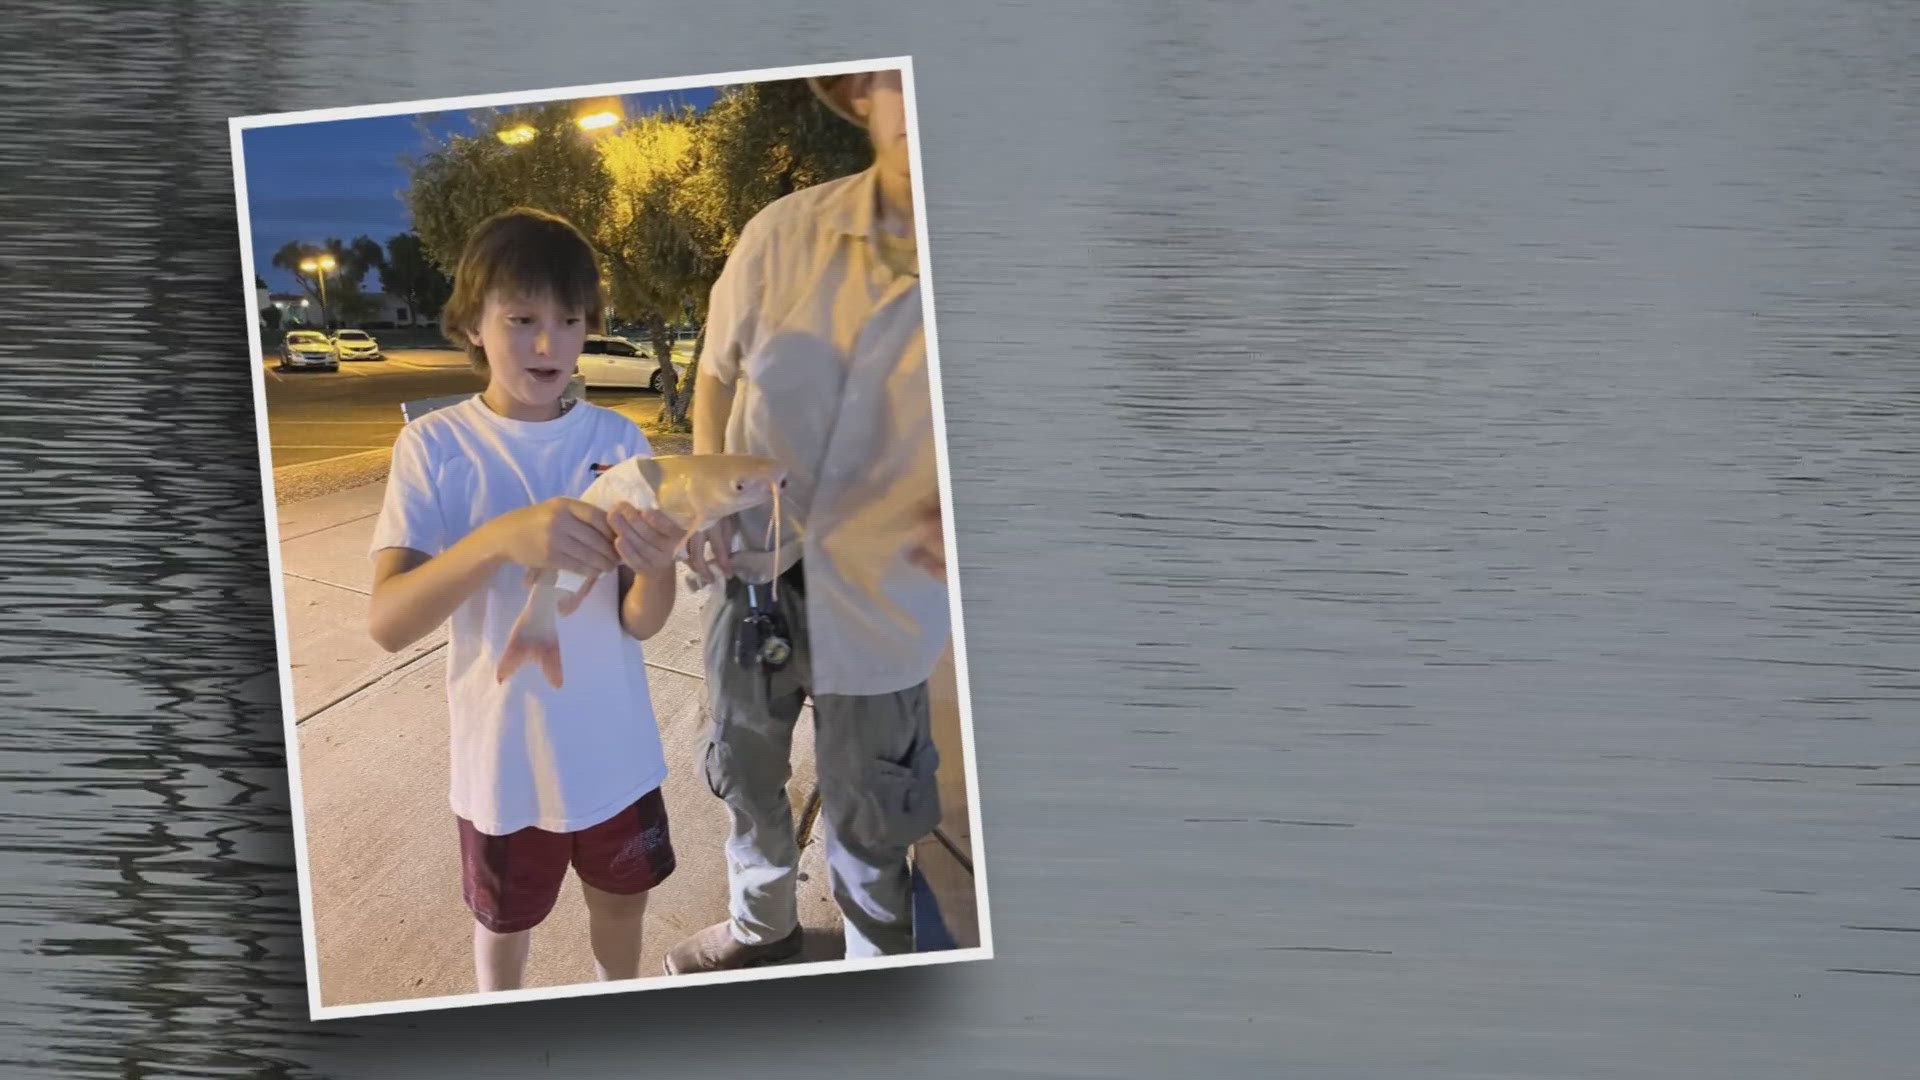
<point x="319" y="268"/>
<point x="600" y="120"/>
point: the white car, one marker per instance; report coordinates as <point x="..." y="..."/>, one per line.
<point x="618" y="362"/>
<point x="356" y="345"/>
<point x="308" y="349"/>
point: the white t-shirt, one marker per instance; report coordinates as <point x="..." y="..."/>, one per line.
<point x="525" y="753"/>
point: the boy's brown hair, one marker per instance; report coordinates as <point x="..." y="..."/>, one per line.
<point x="515" y="252"/>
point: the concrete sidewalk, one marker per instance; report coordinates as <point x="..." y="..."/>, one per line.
<point x="381" y="849"/>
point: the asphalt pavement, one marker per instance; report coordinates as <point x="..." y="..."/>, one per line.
<point x="316" y="416"/>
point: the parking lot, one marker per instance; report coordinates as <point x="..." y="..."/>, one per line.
<point x="315" y="416"/>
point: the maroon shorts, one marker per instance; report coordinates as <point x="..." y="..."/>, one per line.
<point x="511" y="882"/>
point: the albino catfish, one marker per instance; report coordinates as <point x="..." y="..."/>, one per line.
<point x="694" y="490"/>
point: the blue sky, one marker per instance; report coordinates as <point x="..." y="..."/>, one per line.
<point x="344" y="177"/>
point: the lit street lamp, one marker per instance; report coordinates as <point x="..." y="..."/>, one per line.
<point x="319" y="267"/>
<point x="595" y="122"/>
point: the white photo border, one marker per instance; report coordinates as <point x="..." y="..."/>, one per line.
<point x="237" y="126"/>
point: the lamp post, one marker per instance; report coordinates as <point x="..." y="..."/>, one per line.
<point x="319" y="267"/>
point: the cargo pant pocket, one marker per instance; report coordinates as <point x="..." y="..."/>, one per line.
<point x="746" y="770"/>
<point x="714" y="766"/>
<point x="901" y="802"/>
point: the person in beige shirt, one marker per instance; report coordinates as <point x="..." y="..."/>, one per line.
<point x="816" y="356"/>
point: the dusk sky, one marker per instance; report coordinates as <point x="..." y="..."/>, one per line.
<point x="344" y="177"/>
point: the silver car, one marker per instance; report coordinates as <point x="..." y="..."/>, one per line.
<point x="611" y="361"/>
<point x="308" y="349"/>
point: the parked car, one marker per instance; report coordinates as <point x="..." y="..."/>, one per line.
<point x="308" y="349"/>
<point x="356" y="345"/>
<point x="611" y="361"/>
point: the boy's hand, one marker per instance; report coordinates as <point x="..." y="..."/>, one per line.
<point x="645" y="540"/>
<point x="560" y="534"/>
<point x="709" y="553"/>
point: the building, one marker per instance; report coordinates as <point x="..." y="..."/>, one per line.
<point x="395" y="311"/>
<point x="295" y="309"/>
<point x="384" y="310"/>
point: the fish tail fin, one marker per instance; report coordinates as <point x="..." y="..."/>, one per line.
<point x="534" y="635"/>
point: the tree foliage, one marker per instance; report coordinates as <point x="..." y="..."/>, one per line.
<point x="344" y="296"/>
<point x="412" y="275"/>
<point x="762" y="141"/>
<point x="662" y="198"/>
<point x="464" y="180"/>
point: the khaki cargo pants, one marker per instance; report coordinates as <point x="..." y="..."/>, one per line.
<point x="875" y="761"/>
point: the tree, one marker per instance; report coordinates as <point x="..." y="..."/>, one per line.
<point x="352" y="262"/>
<point x="354" y="305"/>
<point x="363" y="255"/>
<point x="762" y="141"/>
<point x="463" y="181"/>
<point x="270" y="317"/>
<point x="410" y="274"/>
<point x="654" y="254"/>
<point x="662" y="199"/>
<point x="290" y="256"/>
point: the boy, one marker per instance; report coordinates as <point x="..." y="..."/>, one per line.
<point x="480" y="495"/>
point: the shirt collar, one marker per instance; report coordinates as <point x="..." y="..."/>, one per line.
<point x="855" y="206"/>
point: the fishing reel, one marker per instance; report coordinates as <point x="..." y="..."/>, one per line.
<point x="763" y="639"/>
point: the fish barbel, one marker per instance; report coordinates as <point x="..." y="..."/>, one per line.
<point x="695" y="490"/>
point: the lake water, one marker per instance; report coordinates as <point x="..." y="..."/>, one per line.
<point x="1436" y="511"/>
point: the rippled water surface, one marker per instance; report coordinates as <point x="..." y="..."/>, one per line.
<point x="1435" y="490"/>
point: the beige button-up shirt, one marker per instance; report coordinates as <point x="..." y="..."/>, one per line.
<point x="823" y="342"/>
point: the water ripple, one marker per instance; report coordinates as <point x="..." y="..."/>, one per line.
<point x="147" y="850"/>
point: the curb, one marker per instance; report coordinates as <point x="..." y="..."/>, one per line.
<point x="310" y="480"/>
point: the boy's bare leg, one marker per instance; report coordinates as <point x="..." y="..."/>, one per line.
<point x="614" y="925"/>
<point x="499" y="960"/>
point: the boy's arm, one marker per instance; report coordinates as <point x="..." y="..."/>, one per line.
<point x="644" y="541"/>
<point x="646" y="601"/>
<point x="413" y="593"/>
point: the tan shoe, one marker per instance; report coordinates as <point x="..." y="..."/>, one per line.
<point x="714" y="949"/>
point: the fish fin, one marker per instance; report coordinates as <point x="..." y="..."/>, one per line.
<point x="694" y="581"/>
<point x="522" y="647"/>
<point x="534" y="635"/>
